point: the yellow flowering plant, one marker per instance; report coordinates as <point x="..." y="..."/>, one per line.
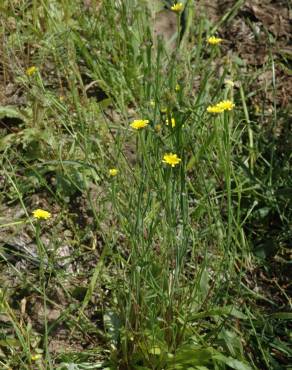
<point x="144" y="167"/>
<point x="36" y="357"/>
<point x="214" y="109"/>
<point x="31" y="70"/>
<point x="172" y="122"/>
<point x="171" y="159"/>
<point x="226" y="105"/>
<point x="113" y="172"/>
<point x="221" y="107"/>
<point x="138" y="124"/>
<point x="178" y="7"/>
<point x="214" y="40"/>
<point x="41" y="214"/>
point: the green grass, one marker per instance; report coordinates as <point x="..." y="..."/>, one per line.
<point x="149" y="269"/>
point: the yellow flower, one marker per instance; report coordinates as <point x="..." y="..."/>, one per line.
<point x="41" y="214"/>
<point x="171" y="159"/>
<point x="152" y="103"/>
<point x="31" y="71"/>
<point x="178" y="7"/>
<point x="35" y="357"/>
<point x="221" y="106"/>
<point x="172" y="122"/>
<point x="226" y="105"/>
<point x="137" y="124"/>
<point x="177" y="87"/>
<point x="163" y="110"/>
<point x="113" y="172"/>
<point x="214" y="109"/>
<point x="214" y="40"/>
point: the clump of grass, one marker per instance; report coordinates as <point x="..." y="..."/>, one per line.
<point x="158" y="249"/>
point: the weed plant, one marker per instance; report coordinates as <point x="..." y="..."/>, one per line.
<point x="158" y="248"/>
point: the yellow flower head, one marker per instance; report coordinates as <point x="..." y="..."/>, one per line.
<point x="137" y="124"/>
<point x="221" y="106"/>
<point x="226" y="105"/>
<point x="152" y="103"/>
<point x="177" y="87"/>
<point x="36" y="357"/>
<point x="171" y="159"/>
<point x="214" y="109"/>
<point x="113" y="172"/>
<point x="41" y="214"/>
<point x="214" y="40"/>
<point x="31" y="71"/>
<point x="178" y="7"/>
<point x="163" y="110"/>
<point x="172" y="122"/>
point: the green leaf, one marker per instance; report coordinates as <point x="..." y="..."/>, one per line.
<point x="232" y="342"/>
<point x="192" y="356"/>
<point x="6" y="141"/>
<point x="10" y="342"/>
<point x="204" y="283"/>
<point x="112" y="324"/>
<point x="282" y="315"/>
<point x="219" y="311"/>
<point x="282" y="346"/>
<point x="231" y="362"/>
<point x="11" y="112"/>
